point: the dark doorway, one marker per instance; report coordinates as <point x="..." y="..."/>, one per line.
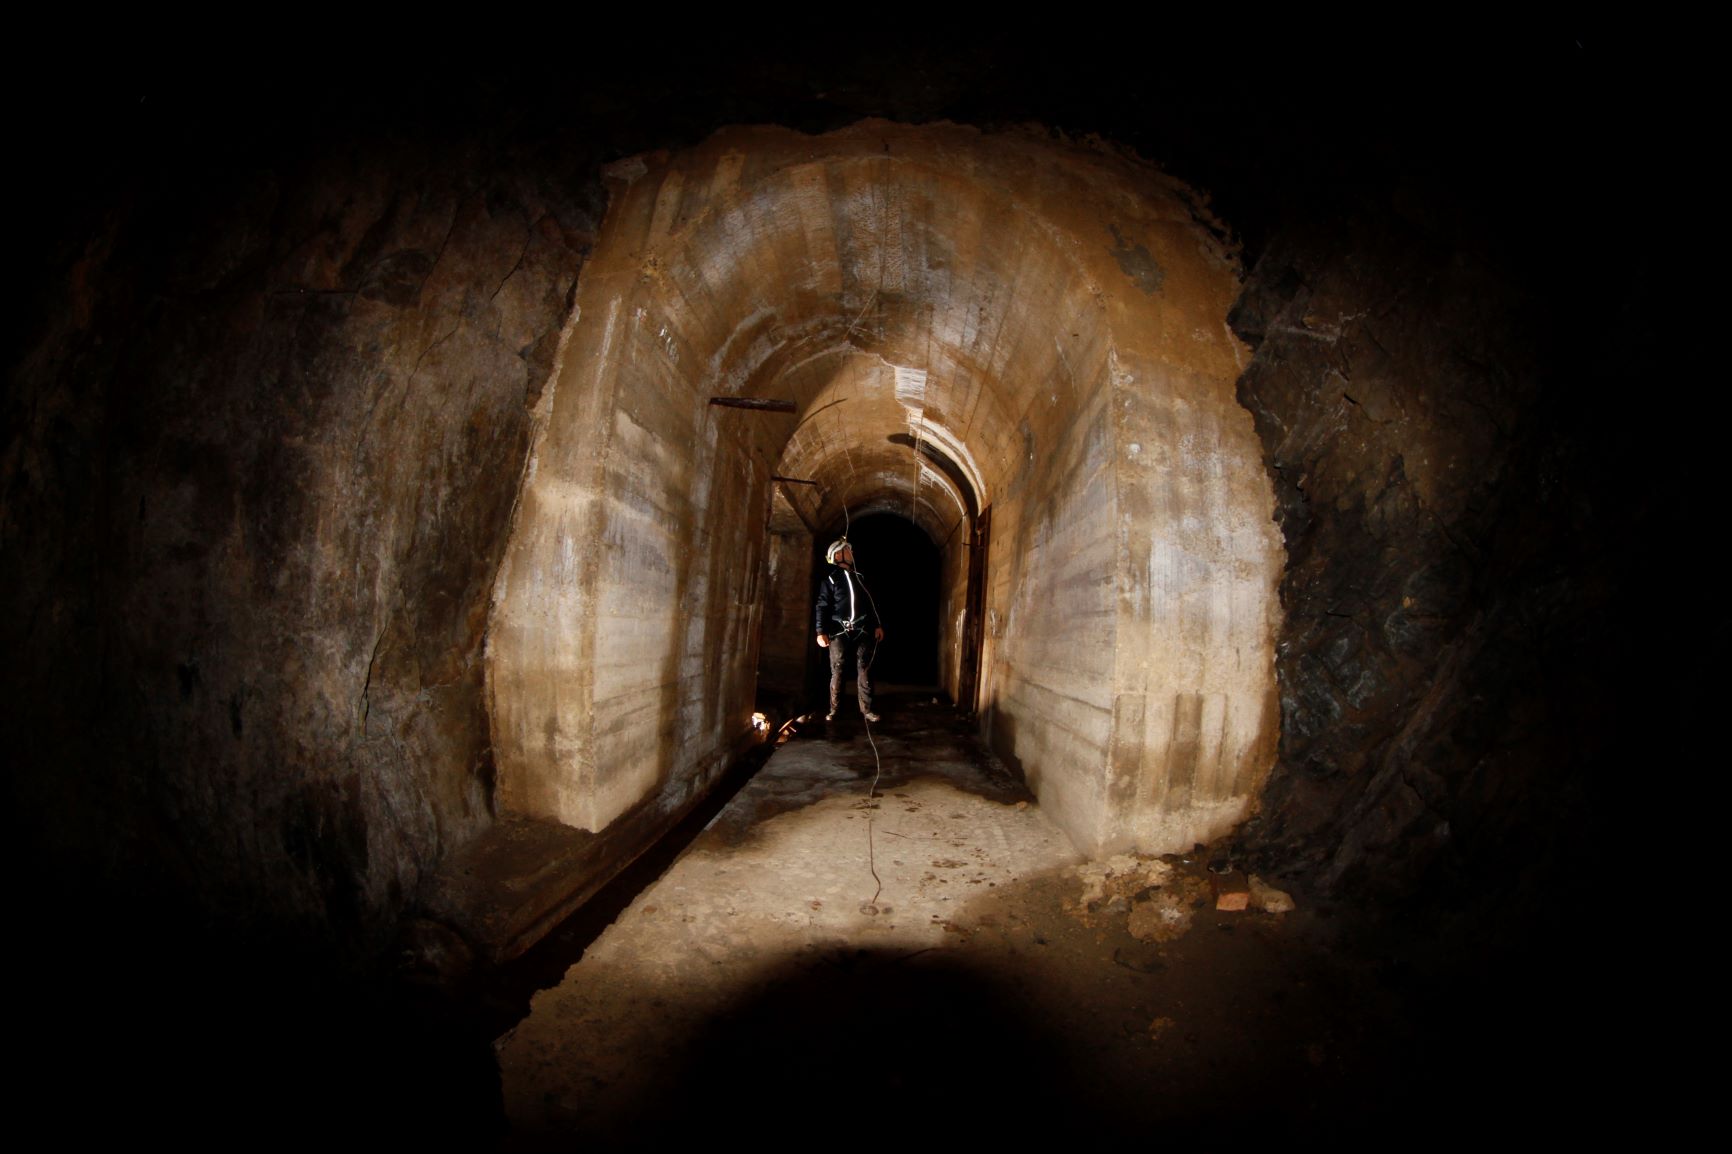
<point x="900" y="565"/>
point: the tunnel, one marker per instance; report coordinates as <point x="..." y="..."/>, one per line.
<point x="414" y="486"/>
<point x="1053" y="322"/>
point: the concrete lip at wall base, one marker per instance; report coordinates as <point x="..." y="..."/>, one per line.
<point x="1049" y="318"/>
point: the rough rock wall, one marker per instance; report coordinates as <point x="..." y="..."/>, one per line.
<point x="260" y="459"/>
<point x="1450" y="638"/>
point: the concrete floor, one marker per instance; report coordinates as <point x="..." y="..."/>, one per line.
<point x="932" y="961"/>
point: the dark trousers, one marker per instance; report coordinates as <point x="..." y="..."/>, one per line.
<point x="864" y="648"/>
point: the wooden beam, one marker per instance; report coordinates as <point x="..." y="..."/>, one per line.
<point x="761" y="404"/>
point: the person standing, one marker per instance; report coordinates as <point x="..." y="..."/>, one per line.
<point x="846" y="618"/>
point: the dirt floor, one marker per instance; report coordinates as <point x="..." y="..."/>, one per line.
<point x="927" y="960"/>
<point x="924" y="963"/>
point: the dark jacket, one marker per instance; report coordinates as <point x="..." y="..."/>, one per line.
<point x="834" y="606"/>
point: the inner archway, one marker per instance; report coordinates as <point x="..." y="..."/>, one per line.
<point x="901" y="566"/>
<point x="950" y="322"/>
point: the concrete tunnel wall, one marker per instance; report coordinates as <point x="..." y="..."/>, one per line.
<point x="1050" y="317"/>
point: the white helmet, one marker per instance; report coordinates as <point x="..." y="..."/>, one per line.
<point x="836" y="547"/>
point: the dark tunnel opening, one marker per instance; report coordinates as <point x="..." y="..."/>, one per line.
<point x="900" y="565"/>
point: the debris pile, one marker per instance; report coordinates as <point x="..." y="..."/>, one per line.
<point x="1159" y="896"/>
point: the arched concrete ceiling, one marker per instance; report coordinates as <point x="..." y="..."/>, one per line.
<point x="862" y="422"/>
<point x="920" y="283"/>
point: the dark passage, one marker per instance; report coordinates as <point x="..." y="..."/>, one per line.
<point x="900" y="564"/>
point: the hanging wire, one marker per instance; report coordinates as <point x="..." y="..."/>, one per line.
<point x="871" y="802"/>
